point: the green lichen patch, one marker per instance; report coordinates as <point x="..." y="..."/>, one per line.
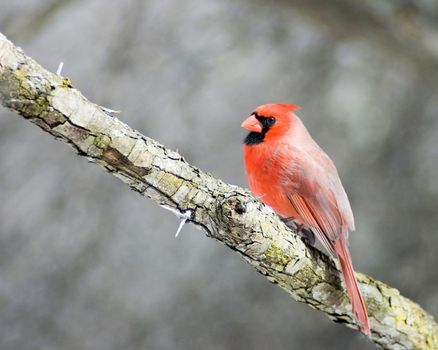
<point x="102" y="141"/>
<point x="277" y="256"/>
<point x="169" y="183"/>
<point x="307" y="277"/>
<point x="66" y="83"/>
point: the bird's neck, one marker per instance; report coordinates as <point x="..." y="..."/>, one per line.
<point x="299" y="137"/>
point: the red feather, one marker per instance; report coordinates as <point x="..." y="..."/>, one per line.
<point x="289" y="172"/>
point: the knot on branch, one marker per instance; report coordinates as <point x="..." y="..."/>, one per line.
<point x="236" y="208"/>
<point x="238" y="215"/>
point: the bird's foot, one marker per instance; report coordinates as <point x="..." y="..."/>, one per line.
<point x="305" y="233"/>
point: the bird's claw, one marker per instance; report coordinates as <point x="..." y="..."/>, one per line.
<point x="305" y="233"/>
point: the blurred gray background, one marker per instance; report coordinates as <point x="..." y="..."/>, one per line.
<point x="87" y="264"/>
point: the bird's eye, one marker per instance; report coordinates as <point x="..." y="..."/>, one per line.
<point x="271" y="121"/>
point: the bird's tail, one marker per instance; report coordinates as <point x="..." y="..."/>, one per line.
<point x="357" y="303"/>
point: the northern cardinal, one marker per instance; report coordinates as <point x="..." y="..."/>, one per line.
<point x="289" y="172"/>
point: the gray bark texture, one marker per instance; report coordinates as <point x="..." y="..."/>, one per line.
<point x="224" y="212"/>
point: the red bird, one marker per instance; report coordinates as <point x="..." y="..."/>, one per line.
<point x="288" y="171"/>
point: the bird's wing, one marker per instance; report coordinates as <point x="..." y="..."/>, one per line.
<point x="318" y="197"/>
<point x="320" y="164"/>
<point x="323" y="223"/>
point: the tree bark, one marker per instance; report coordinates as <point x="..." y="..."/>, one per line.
<point x="224" y="212"/>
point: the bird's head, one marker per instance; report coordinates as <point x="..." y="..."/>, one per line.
<point x="269" y="122"/>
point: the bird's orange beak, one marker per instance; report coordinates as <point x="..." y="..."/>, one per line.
<point x="252" y="124"/>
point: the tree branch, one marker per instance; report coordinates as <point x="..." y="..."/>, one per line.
<point x="225" y="212"/>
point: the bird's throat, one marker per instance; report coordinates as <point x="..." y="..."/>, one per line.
<point x="254" y="138"/>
